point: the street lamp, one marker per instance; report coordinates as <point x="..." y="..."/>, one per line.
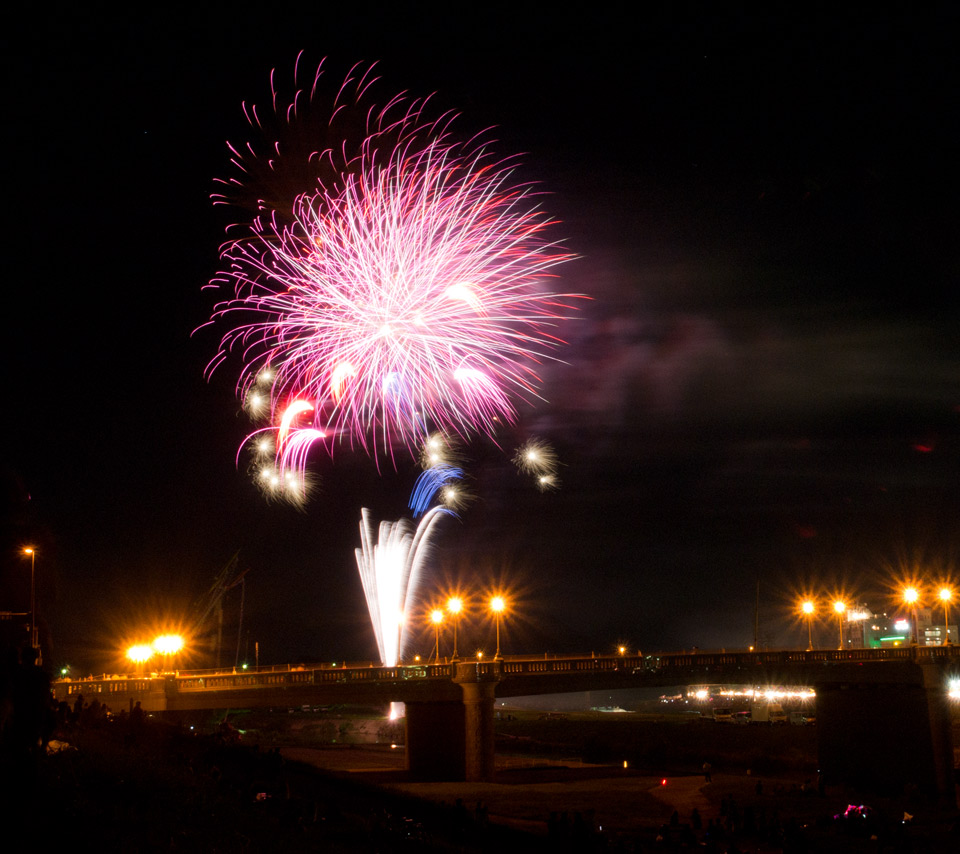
<point x="34" y="644"/>
<point x="910" y="597"/>
<point x="840" y="607"/>
<point x="455" y="606"/>
<point x="436" y="617"/>
<point x="946" y="594"/>
<point x="497" y="605"/>
<point x="809" y="609"/>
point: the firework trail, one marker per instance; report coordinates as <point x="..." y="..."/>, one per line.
<point x="390" y="563"/>
<point x="400" y="291"/>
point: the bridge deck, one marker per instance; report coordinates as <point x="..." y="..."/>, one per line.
<point x="517" y="675"/>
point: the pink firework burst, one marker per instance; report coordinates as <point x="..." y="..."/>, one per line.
<point x="403" y="295"/>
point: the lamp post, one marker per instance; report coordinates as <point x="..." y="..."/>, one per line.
<point x="436" y="617"/>
<point x="840" y="607"/>
<point x="497" y="605"/>
<point x="455" y="606"/>
<point x="30" y="550"/>
<point x="946" y="594"/>
<point x="808" y="609"/>
<point x="910" y="597"/>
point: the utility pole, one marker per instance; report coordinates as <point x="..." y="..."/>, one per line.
<point x="756" y="620"/>
<point x="34" y="639"/>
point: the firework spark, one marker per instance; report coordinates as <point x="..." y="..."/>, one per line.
<point x="535" y="457"/>
<point x="546" y="482"/>
<point x="403" y="292"/>
<point x="283" y="486"/>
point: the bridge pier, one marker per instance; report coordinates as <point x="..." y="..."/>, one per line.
<point x="435" y="740"/>
<point x="451" y="740"/>
<point x="478" y="699"/>
<point x="885" y="735"/>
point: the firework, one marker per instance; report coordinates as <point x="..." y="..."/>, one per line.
<point x="439" y="450"/>
<point x="436" y="481"/>
<point x="283" y="486"/>
<point x="389" y="567"/>
<point x="401" y="291"/>
<point x="455" y="496"/>
<point x="535" y="457"/>
<point x="546" y="482"/>
<point x="538" y="459"/>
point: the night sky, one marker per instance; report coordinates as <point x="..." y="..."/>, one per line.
<point x="764" y="386"/>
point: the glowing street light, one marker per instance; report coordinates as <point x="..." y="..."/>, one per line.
<point x="910" y="597"/>
<point x="497" y="605"/>
<point x="140" y="653"/>
<point x="840" y="607"/>
<point x="809" y="609"/>
<point x="167" y="646"/>
<point x="455" y="606"/>
<point x="946" y="594"/>
<point x="436" y="617"/>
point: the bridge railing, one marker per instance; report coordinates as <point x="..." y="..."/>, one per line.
<point x="687" y="661"/>
<point x="324" y="676"/>
<point x="104" y="686"/>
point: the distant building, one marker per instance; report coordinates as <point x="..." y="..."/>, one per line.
<point x="872" y="630"/>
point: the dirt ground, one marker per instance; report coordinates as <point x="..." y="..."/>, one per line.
<point x="622" y="804"/>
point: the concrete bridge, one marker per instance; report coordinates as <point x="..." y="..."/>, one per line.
<point x="882" y="714"/>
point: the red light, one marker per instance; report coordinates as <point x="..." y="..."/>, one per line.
<point x="663" y="782"/>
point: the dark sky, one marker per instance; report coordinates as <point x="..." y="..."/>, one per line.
<point x="765" y="385"/>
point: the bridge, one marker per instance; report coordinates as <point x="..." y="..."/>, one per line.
<point x="882" y="714"/>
